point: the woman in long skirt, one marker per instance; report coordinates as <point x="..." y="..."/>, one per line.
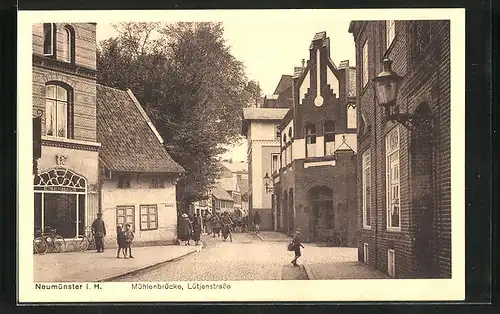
<point x="196" y="229"/>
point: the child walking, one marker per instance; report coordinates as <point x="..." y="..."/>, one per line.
<point x="296" y="244"/>
<point x="129" y="237"/>
<point x="120" y="239"/>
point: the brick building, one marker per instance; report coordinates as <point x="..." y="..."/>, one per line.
<point x="90" y="161"/>
<point x="404" y="172"/>
<point x="315" y="180"/>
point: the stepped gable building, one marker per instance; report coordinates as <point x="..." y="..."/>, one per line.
<point x="260" y="127"/>
<point x="90" y="160"/>
<point x="404" y="173"/>
<point x="315" y="182"/>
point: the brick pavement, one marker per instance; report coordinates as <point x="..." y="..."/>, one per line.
<point x="90" y="266"/>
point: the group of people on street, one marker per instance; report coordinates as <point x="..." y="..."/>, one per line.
<point x="124" y="237"/>
<point x="220" y="224"/>
<point x="189" y="228"/>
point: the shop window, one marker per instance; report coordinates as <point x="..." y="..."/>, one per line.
<point x="329" y="136"/>
<point x="310" y="140"/>
<point x="392" y="180"/>
<point x="366" y="189"/>
<point x="149" y="217"/>
<point x="58" y="110"/>
<point x="125" y="214"/>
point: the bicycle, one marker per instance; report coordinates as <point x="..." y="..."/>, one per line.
<point x="48" y="240"/>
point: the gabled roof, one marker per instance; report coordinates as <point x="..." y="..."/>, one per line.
<point x="243" y="183"/>
<point x="236" y="167"/>
<point x="219" y="193"/>
<point x="284" y="83"/>
<point x="130" y="142"/>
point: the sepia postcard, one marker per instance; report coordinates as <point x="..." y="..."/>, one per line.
<point x="241" y="155"/>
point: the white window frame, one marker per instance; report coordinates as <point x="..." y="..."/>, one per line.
<point x="52" y="30"/>
<point x="366" y="165"/>
<point x="126" y="215"/>
<point x="67" y="45"/>
<point x="390" y="32"/>
<point x="351" y="116"/>
<point x="364" y="54"/>
<point x="56" y="115"/>
<point x="393" y="177"/>
<point x="148" y="214"/>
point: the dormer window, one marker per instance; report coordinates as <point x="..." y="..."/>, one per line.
<point x="49" y="39"/>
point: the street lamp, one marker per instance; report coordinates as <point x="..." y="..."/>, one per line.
<point x="387" y="85"/>
<point x="268" y="183"/>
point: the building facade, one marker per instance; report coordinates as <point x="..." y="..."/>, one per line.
<point x="138" y="177"/>
<point x="260" y="126"/>
<point x="404" y="172"/>
<point x="90" y="161"/>
<point x="315" y="183"/>
<point x="66" y="187"/>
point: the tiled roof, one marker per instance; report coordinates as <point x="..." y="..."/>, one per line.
<point x="243" y="183"/>
<point x="284" y="83"/>
<point x="130" y="142"/>
<point x="219" y="193"/>
<point x="237" y="167"/>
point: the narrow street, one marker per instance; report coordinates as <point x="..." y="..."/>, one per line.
<point x="250" y="258"/>
<point x="246" y="258"/>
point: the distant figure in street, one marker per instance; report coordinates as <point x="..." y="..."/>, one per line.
<point x="296" y="244"/>
<point x="208" y="224"/>
<point x="120" y="239"/>
<point x="185" y="228"/>
<point x="99" y="232"/>
<point x="216" y="225"/>
<point x="196" y="229"/>
<point x="226" y="227"/>
<point x="256" y="221"/>
<point x="129" y="237"/>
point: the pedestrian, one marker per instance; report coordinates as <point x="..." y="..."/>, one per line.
<point x="256" y="221"/>
<point x="120" y="239"/>
<point x="216" y="226"/>
<point x="296" y="245"/>
<point x="226" y="227"/>
<point x="196" y="229"/>
<point x="185" y="228"/>
<point x="99" y="232"/>
<point x="129" y="237"/>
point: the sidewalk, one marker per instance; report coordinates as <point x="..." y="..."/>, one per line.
<point x="327" y="263"/>
<point x="90" y="266"/>
<point x="273" y="236"/>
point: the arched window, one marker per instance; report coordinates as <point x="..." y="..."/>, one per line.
<point x="283" y="152"/>
<point x="68" y="44"/>
<point x="329" y="136"/>
<point x="290" y="133"/>
<point x="57" y="110"/>
<point x="49" y="39"/>
<point x="310" y="140"/>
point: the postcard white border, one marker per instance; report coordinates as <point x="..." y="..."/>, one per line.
<point x="314" y="290"/>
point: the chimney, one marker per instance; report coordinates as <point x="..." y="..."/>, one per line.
<point x="303" y="62"/>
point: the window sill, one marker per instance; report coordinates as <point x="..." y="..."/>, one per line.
<point x="393" y="229"/>
<point x="149" y="229"/>
<point x="367" y="227"/>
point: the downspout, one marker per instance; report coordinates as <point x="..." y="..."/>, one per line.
<point x="376" y="173"/>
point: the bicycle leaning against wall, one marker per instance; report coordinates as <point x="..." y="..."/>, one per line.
<point x="48" y="240"/>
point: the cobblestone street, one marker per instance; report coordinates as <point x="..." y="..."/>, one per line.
<point x="250" y="258"/>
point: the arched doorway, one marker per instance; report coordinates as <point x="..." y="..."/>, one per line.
<point x="291" y="211"/>
<point x="60" y="201"/>
<point x="422" y="160"/>
<point x="285" y="212"/>
<point x="321" y="202"/>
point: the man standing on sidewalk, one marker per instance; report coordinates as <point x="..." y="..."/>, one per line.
<point x="256" y="221"/>
<point x="99" y="232"/>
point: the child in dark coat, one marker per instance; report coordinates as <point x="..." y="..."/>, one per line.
<point x="296" y="245"/>
<point x="120" y="239"/>
<point x="129" y="237"/>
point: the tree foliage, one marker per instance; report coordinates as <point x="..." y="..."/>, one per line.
<point x="190" y="84"/>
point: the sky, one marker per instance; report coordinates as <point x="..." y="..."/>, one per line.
<point x="271" y="43"/>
